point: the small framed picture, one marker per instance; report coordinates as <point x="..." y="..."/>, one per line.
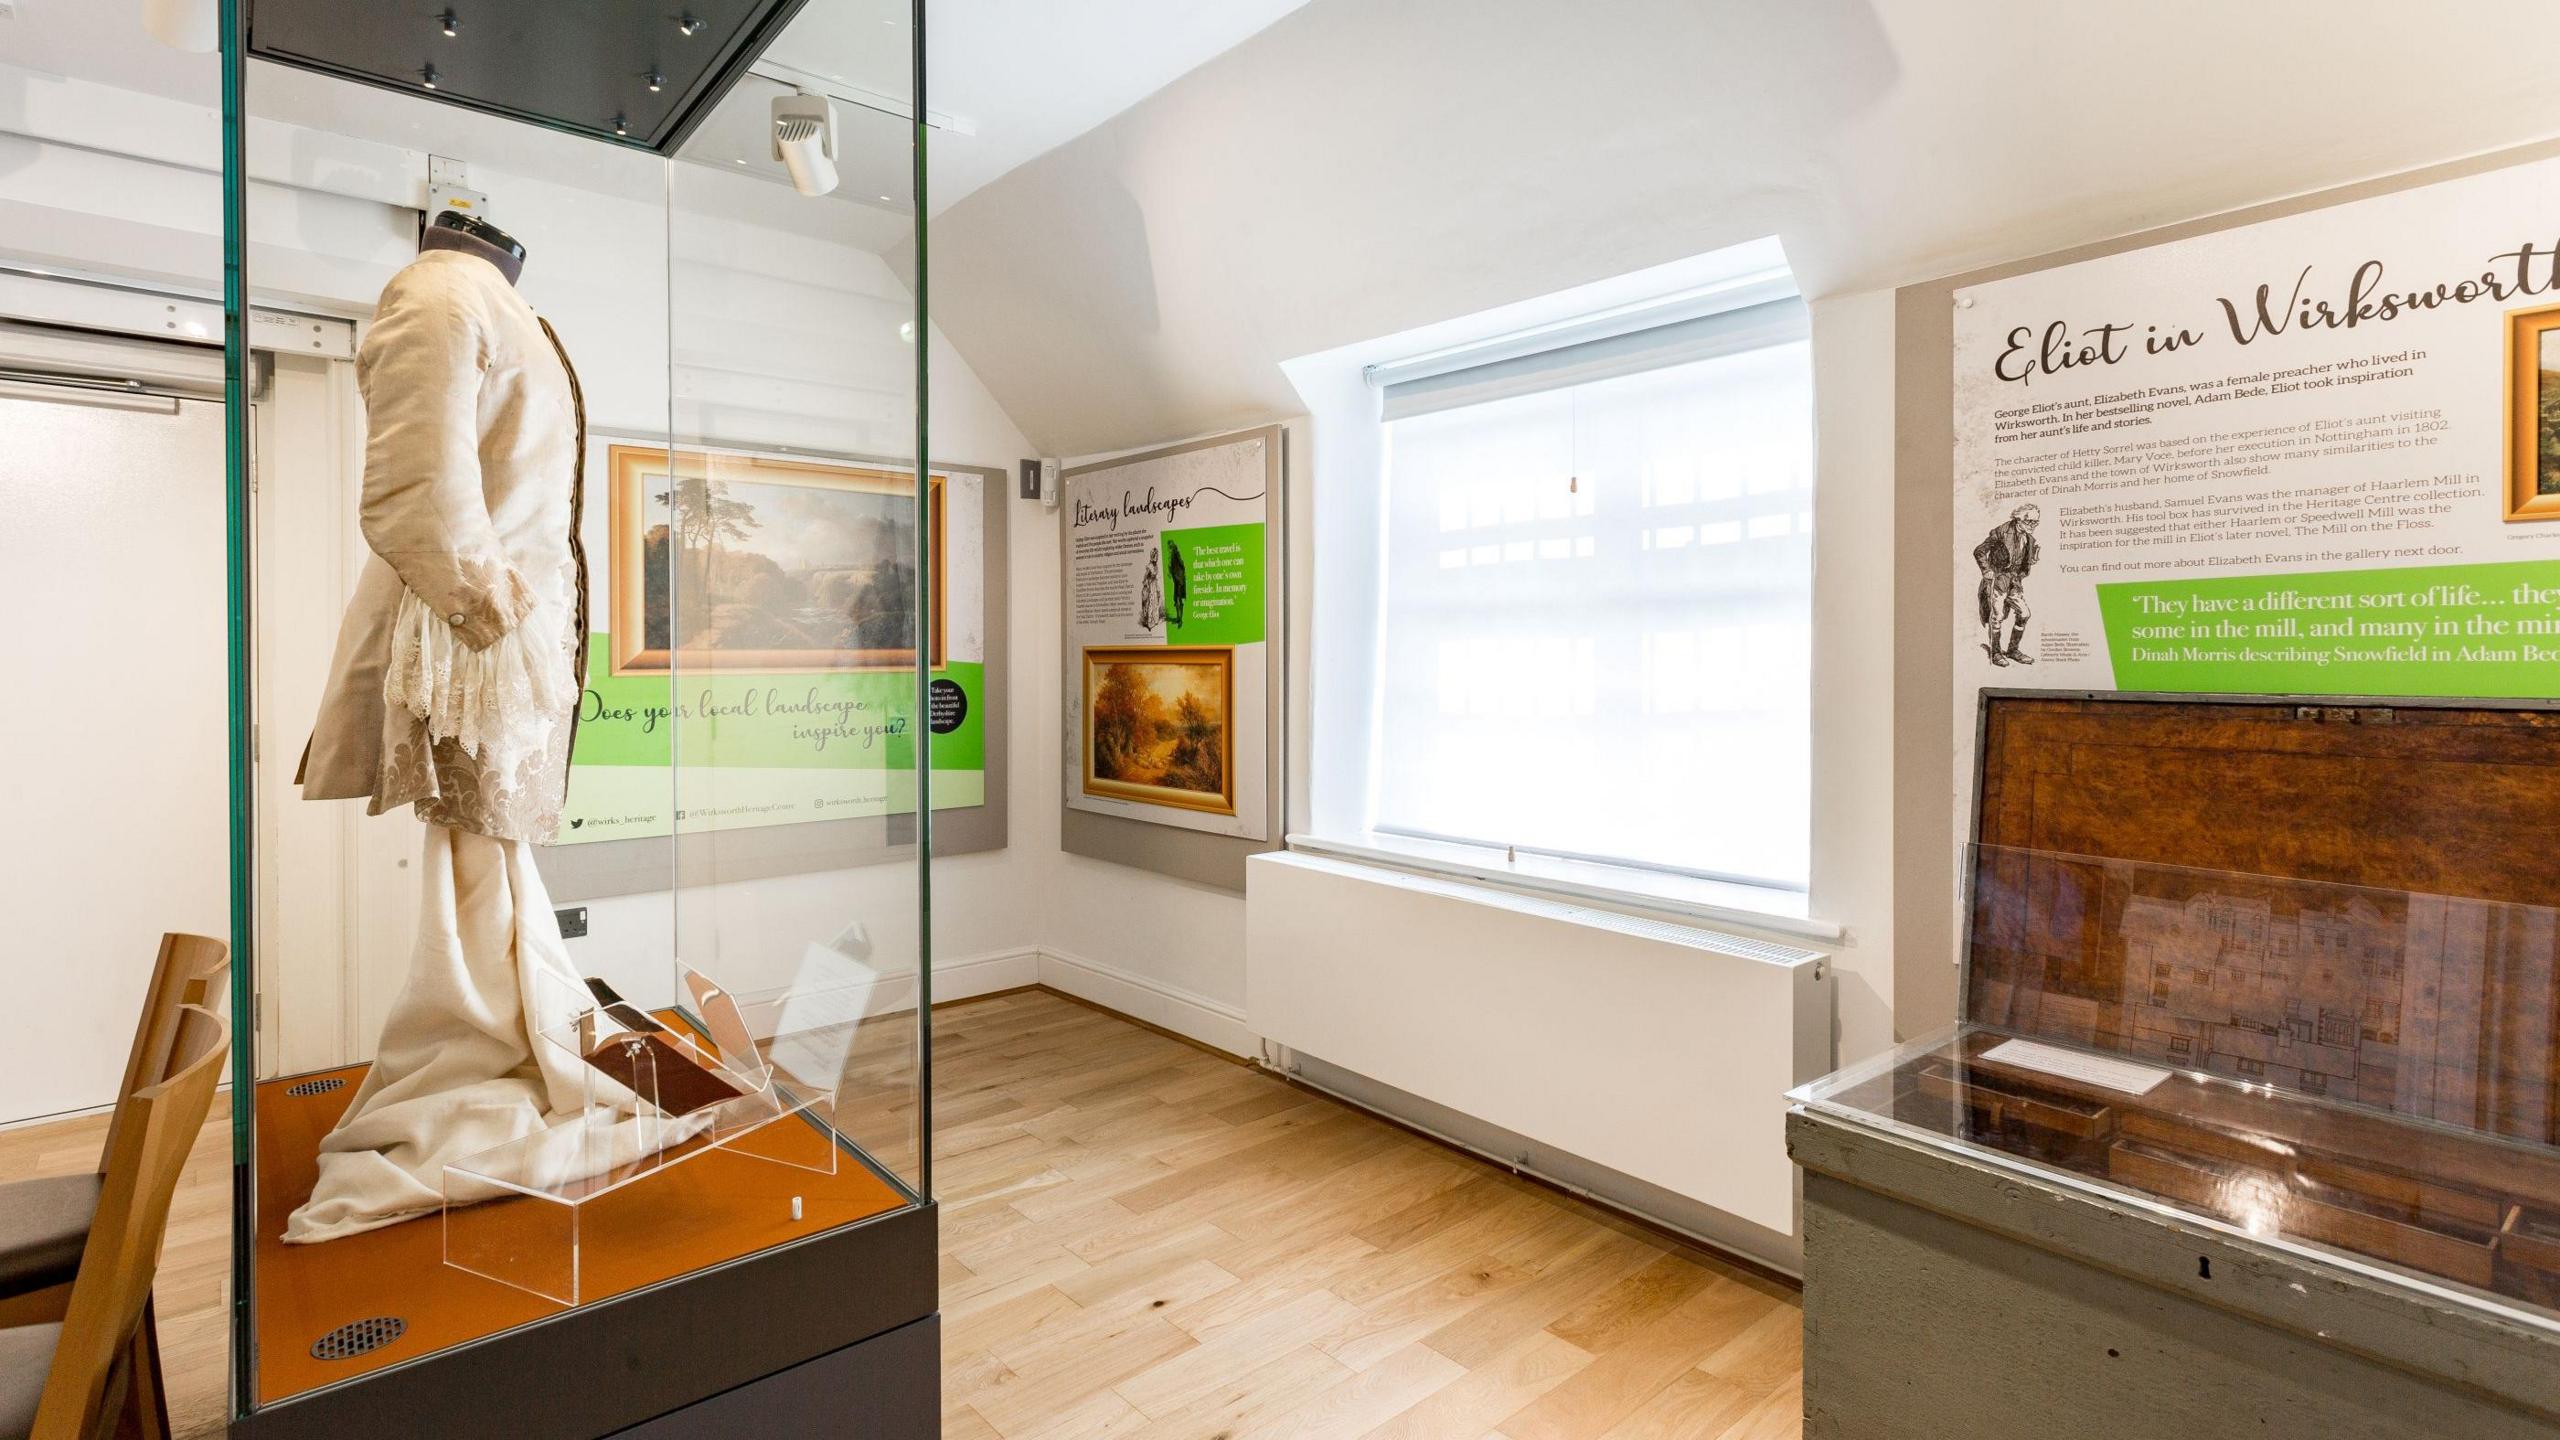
<point x="2533" y="414"/>
<point x="1159" y="725"/>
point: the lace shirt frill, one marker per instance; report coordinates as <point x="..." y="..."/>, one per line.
<point x="503" y="709"/>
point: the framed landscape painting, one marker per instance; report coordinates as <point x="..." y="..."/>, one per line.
<point x="1159" y="725"/>
<point x="728" y="560"/>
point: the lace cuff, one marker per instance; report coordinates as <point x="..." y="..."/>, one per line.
<point x="501" y="703"/>
<point x="481" y="597"/>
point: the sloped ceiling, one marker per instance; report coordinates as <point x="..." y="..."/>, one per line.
<point x="1010" y="79"/>
<point x="1006" y="80"/>
<point x="1360" y="168"/>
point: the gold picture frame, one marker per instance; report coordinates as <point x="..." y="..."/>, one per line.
<point x="1137" y="745"/>
<point x="2533" y="414"/>
<point x="779" y="600"/>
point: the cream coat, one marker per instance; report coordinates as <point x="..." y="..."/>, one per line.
<point x="474" y="450"/>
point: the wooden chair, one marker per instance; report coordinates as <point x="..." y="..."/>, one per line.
<point x="76" y="1379"/>
<point x="190" y="969"/>
<point x="44" y="1222"/>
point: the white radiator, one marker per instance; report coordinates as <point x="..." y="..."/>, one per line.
<point x="1659" y="1051"/>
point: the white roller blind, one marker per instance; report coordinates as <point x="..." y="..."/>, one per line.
<point x="1598" y="612"/>
<point x="1606" y="356"/>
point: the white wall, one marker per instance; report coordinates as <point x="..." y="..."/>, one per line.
<point x="784" y="330"/>
<point x="1360" y="170"/>
<point x="1853" y="703"/>
<point x="1189" y="939"/>
<point x="1356" y="170"/>
<point x="1181" y="939"/>
<point x="113" y="820"/>
<point x="791" y="339"/>
<point x="1182" y="252"/>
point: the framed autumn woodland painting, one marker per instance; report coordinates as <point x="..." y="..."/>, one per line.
<point x="1160" y="725"/>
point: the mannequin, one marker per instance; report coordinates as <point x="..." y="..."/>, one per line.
<point x="472" y="235"/>
<point x="454" y="689"/>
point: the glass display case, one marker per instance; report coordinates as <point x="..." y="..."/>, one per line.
<point x="2279" y="967"/>
<point x="595" y="653"/>
<point x="2305" y="1063"/>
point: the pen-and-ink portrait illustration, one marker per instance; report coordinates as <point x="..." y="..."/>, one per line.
<point x="2004" y="557"/>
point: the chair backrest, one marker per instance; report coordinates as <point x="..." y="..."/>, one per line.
<point x="156" y="1126"/>
<point x="190" y="971"/>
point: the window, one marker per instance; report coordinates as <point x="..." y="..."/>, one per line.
<point x="1596" y="600"/>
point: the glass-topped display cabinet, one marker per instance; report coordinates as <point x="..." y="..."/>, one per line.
<point x="2289" y="969"/>
<point x="600" y="631"/>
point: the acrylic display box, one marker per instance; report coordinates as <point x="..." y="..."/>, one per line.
<point x="753" y="1075"/>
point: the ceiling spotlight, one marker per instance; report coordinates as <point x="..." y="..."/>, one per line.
<point x="451" y="24"/>
<point x="657" y="81"/>
<point x="194" y="26"/>
<point x="804" y="140"/>
<point x="688" y="25"/>
<point x="427" y="77"/>
<point x="621" y="126"/>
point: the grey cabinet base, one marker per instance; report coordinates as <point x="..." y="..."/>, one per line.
<point x="1918" y="1326"/>
<point x="889" y="1387"/>
<point x="616" y="1366"/>
<point x="1932" y="1312"/>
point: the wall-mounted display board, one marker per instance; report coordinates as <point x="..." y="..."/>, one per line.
<point x="779" y="660"/>
<point x="1172" y="610"/>
<point x="2315" y="455"/>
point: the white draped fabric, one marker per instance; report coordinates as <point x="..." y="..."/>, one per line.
<point x="459" y="1069"/>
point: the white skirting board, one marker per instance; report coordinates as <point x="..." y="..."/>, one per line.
<point x="1213" y="1023"/>
<point x="1197" y="1017"/>
<point x="1661" y="1052"/>
<point x="977" y="975"/>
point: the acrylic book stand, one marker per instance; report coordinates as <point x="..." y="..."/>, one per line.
<point x="719" y="1072"/>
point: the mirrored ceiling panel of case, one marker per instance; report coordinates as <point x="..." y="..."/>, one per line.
<point x="634" y="72"/>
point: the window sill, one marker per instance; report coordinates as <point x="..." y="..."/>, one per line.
<point x="1751" y="907"/>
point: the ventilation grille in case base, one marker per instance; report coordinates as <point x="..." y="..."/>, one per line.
<point x="358" y="1337"/>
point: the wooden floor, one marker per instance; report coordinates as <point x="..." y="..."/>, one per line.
<point x="1142" y="1239"/>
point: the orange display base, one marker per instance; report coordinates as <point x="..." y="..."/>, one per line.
<point x="714" y="1207"/>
